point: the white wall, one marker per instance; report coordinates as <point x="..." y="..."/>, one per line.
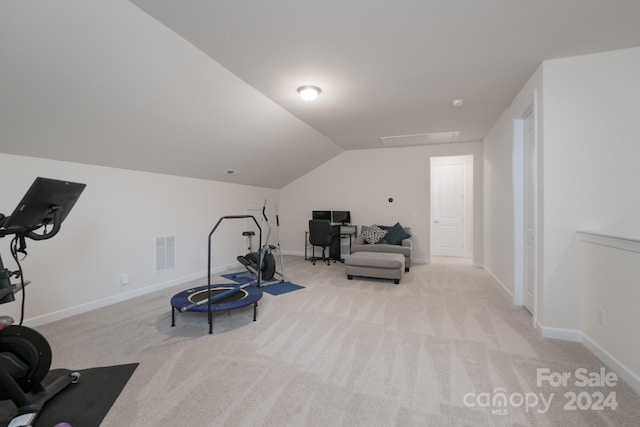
<point x="501" y="183"/>
<point x="587" y="149"/>
<point x="498" y="220"/>
<point x="112" y="230"/>
<point x="609" y="271"/>
<point x="591" y="157"/>
<point x="362" y="181"/>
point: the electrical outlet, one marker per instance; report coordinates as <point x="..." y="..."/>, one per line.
<point x="601" y="317"/>
<point x="124" y="279"/>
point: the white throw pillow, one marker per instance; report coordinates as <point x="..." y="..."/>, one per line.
<point x="373" y="234"/>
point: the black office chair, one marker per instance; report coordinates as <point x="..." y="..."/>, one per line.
<point x="320" y="235"/>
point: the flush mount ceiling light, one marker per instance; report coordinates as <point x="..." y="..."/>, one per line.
<point x="232" y="172"/>
<point x="309" y="92"/>
<point x="457" y="102"/>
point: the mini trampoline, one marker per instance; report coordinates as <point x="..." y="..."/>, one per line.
<point x="229" y="296"/>
<point x="224" y="297"/>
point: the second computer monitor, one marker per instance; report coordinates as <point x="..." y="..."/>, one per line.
<point x="326" y="215"/>
<point x="342" y="217"/>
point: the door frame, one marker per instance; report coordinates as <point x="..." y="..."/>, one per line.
<point x="467" y="161"/>
<point x="519" y="204"/>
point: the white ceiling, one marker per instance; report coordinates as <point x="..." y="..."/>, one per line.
<point x="102" y="82"/>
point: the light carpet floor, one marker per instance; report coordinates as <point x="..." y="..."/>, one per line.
<point x="433" y="351"/>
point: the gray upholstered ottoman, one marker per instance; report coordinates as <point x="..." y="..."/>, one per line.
<point x="381" y="265"/>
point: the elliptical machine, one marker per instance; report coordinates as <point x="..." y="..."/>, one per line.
<point x="264" y="256"/>
<point x="25" y="355"/>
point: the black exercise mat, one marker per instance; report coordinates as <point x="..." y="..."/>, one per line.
<point x="84" y="404"/>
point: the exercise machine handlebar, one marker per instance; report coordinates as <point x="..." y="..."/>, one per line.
<point x="57" y="222"/>
<point x="208" y="300"/>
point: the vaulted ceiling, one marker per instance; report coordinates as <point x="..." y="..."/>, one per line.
<point x="197" y="87"/>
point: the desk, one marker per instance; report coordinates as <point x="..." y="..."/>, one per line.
<point x="340" y="230"/>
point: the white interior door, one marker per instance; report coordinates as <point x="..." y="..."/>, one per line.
<point x="448" y="210"/>
<point x="530" y="224"/>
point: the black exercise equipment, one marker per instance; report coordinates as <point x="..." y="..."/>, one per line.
<point x="264" y="257"/>
<point x="216" y="298"/>
<point x="235" y="296"/>
<point x="207" y="293"/>
<point x="25" y="355"/>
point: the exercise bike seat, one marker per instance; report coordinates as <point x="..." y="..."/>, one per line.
<point x="5" y="321"/>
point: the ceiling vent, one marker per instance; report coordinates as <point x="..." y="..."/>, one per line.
<point x="232" y="172"/>
<point x="419" y="139"/>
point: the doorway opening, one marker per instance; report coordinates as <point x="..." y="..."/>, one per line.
<point x="451" y="207"/>
<point x="525" y="181"/>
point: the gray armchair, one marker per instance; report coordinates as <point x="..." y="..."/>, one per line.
<point x="405" y="248"/>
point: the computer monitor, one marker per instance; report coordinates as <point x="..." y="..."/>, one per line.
<point x="321" y="215"/>
<point x="35" y="208"/>
<point x="47" y="202"/>
<point x="342" y="217"/>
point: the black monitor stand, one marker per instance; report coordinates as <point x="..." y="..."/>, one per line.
<point x="334" y="249"/>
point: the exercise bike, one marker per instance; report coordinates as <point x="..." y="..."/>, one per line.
<point x="25" y="355"/>
<point x="262" y="264"/>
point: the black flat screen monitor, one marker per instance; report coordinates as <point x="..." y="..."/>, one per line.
<point x="342" y="217"/>
<point x="321" y="215"/>
<point x="35" y="208"/>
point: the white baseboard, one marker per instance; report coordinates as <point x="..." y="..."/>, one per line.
<point x="294" y="253"/>
<point x="497" y="280"/>
<point x="618" y="367"/>
<point x="94" y="305"/>
<point x="623" y="372"/>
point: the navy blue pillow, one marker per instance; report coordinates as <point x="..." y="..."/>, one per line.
<point x="396" y="234"/>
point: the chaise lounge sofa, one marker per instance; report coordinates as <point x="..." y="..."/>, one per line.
<point x="397" y="246"/>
